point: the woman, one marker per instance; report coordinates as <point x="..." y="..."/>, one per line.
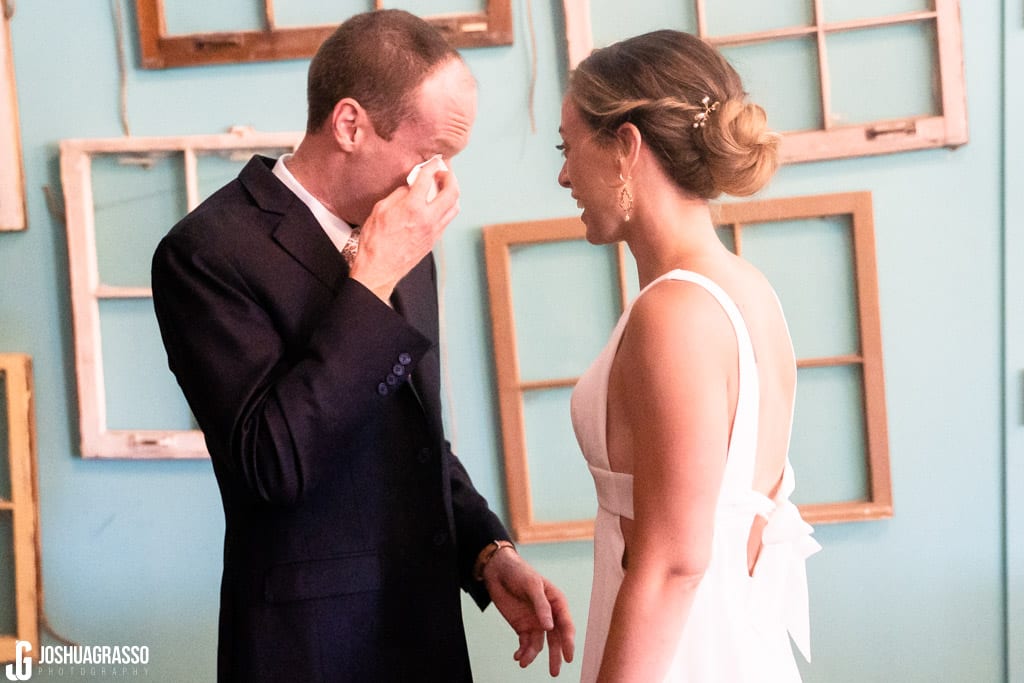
<point x="699" y="554"/>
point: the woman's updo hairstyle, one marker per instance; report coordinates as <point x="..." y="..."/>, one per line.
<point x="658" y="82"/>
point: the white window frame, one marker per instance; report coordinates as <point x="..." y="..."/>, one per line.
<point x="96" y="439"/>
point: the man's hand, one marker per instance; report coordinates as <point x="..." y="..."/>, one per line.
<point x="403" y="228"/>
<point x="532" y="606"/>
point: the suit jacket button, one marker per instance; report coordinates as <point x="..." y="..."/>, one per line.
<point x="391" y="380"/>
<point x="382" y="389"/>
<point x="398" y="369"/>
<point x="404" y="358"/>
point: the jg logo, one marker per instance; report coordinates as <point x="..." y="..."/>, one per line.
<point x="21" y="669"/>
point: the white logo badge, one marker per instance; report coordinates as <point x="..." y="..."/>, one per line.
<point x="21" y="669"/>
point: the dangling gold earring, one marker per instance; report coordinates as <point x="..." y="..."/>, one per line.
<point x="625" y="197"/>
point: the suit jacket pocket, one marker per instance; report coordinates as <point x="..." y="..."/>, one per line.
<point x="310" y="579"/>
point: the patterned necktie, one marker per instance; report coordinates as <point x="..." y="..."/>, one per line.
<point x="348" y="252"/>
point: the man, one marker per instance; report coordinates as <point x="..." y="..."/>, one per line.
<point x="350" y="525"/>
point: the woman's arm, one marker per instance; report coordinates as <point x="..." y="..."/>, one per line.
<point x="672" y="400"/>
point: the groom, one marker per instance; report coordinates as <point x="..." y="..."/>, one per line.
<point x="350" y="524"/>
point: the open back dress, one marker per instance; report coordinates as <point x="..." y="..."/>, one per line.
<point x="739" y="626"/>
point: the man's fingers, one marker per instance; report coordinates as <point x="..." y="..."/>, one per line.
<point x="530" y="645"/>
<point x="569" y="645"/>
<point x="554" y="652"/>
<point x="563" y="621"/>
<point x="541" y="606"/>
<point x="449" y="216"/>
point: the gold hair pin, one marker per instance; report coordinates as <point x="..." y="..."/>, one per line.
<point x="701" y="118"/>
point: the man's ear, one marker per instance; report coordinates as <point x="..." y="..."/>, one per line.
<point x="346" y="122"/>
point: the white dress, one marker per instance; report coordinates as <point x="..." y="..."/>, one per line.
<point x="737" y="628"/>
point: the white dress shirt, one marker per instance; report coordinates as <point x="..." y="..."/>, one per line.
<point x="337" y="230"/>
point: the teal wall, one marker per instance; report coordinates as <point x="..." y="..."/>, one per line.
<point x="131" y="550"/>
<point x="1013" y="294"/>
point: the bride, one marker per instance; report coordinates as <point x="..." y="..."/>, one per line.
<point x="685" y="417"/>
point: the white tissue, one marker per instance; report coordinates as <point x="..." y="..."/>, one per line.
<point x="414" y="173"/>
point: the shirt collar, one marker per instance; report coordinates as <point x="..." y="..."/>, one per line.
<point x="337" y="230"/>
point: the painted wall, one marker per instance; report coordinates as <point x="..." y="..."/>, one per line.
<point x="131" y="550"/>
<point x="1013" y="274"/>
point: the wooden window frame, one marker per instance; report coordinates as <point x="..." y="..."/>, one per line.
<point x="159" y="50"/>
<point x="12" y="175"/>
<point x="97" y="441"/>
<point x="858" y="206"/>
<point x="24" y="502"/>
<point x="498" y="241"/>
<point x="835" y="141"/>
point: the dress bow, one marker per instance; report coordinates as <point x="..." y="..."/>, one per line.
<point x="779" y="583"/>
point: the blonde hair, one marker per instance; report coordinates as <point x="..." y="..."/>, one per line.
<point x="658" y="81"/>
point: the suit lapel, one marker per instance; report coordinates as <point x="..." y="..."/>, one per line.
<point x="300" y="235"/>
<point x="298" y="232"/>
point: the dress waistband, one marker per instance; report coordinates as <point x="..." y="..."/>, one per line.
<point x="614" y="491"/>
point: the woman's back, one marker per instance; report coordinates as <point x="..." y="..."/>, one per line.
<point x="720" y="640"/>
<point x="773" y="352"/>
<point x="776" y="368"/>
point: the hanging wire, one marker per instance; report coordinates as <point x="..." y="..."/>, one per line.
<point x="533" y="64"/>
<point x="122" y="67"/>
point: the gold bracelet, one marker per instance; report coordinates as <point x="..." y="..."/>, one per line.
<point x="485" y="556"/>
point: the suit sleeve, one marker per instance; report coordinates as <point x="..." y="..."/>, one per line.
<point x="476" y="526"/>
<point x="273" y="415"/>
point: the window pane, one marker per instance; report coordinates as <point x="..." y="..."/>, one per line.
<point x="829" y="452"/>
<point x="215" y="169"/>
<point x="841" y="10"/>
<point x="783" y="77"/>
<point x="725" y="17"/>
<point x="810" y="265"/>
<point x="726" y="237"/>
<point x="135" y="205"/>
<point x="561" y="487"/>
<point x="200" y="16"/>
<point x="8" y="594"/>
<point x="613" y="20"/>
<point x="136" y="377"/>
<point x="553" y="284"/>
<point x="883" y="73"/>
<point x="5" y="442"/>
<point x="317" y="12"/>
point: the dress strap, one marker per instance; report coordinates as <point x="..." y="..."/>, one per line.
<point x="739" y="467"/>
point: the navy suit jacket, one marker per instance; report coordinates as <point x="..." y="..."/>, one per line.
<point x="350" y="525"/>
